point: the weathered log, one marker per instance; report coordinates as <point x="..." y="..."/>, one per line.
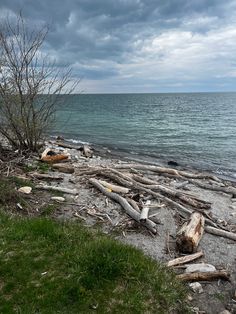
<point x="193" y="201"/>
<point x="224" y="189"/>
<point x="87" y="151"/>
<point x="184" y="259"/>
<point x="63" y="167"/>
<point x="204" y="276"/>
<point x="42" y="176"/>
<point x="190" y="234"/>
<point x="115" y="188"/>
<point x="171" y="171"/>
<point x="133" y="204"/>
<point x="56" y="188"/>
<point x="123" y="202"/>
<point x="130" y="183"/>
<point x="221" y="233"/>
<point x="66" y="145"/>
<point x="144" y="214"/>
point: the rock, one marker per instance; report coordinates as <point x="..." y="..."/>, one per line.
<point x="58" y="198"/>
<point x="173" y="163"/>
<point x="225" y="312"/>
<point x="196" y="287"/>
<point x="25" y="189"/>
<point x="201" y="267"/>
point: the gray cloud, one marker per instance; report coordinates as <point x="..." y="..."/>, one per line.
<point x="128" y="43"/>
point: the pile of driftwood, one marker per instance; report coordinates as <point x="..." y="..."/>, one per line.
<point x="133" y="186"/>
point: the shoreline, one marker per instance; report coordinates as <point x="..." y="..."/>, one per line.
<point x="112" y="152"/>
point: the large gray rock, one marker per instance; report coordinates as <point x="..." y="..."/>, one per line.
<point x="193" y="268"/>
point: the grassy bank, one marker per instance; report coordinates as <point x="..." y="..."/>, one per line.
<point x="52" y="267"/>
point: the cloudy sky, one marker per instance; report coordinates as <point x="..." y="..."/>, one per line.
<point x="145" y="46"/>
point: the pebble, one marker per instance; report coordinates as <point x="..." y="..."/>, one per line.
<point x="196" y="287"/>
<point x="25" y="189"/>
<point x="200" y="268"/>
<point x="58" y="198"/>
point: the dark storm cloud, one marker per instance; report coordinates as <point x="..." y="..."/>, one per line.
<point x="97" y="37"/>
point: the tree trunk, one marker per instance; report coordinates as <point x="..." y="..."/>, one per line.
<point x="190" y="234"/>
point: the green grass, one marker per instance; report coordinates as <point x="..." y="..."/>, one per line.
<point x="51" y="267"/>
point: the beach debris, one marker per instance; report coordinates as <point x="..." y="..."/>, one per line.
<point x="173" y="163"/>
<point x="225" y="312"/>
<point x="204" y="276"/>
<point x="51" y="156"/>
<point x="87" y="151"/>
<point x="190" y="234"/>
<point x="56" y="188"/>
<point x="42" y="176"/>
<point x="184" y="259"/>
<point x="196" y="287"/>
<point x="58" y="198"/>
<point x="63" y="167"/>
<point x="123" y="202"/>
<point x="221" y="233"/>
<point x="25" y="189"/>
<point x="201" y="267"/>
<point x="145" y="211"/>
<point x="115" y="188"/>
<point x="18" y="205"/>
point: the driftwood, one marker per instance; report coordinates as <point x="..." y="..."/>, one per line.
<point x="190" y="234"/>
<point x="204" y="276"/>
<point x="221" y="233"/>
<point x="115" y="188"/>
<point x="144" y="213"/>
<point x="184" y="259"/>
<point x="63" y="167"/>
<point x="123" y="202"/>
<point x="66" y="145"/>
<point x="193" y="201"/>
<point x="171" y="171"/>
<point x="42" y="176"/>
<point x="129" y="182"/>
<point x="56" y="188"/>
<point x="87" y="151"/>
<point x="224" y="189"/>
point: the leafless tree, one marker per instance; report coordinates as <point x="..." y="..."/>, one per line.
<point x="30" y="84"/>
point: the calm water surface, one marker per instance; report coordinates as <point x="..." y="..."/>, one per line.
<point x="196" y="129"/>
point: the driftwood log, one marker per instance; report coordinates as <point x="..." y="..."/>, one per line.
<point x="171" y="171"/>
<point x="63" y="167"/>
<point x="204" y="276"/>
<point x="56" y="188"/>
<point x="221" y="233"/>
<point x="190" y="234"/>
<point x="184" y="259"/>
<point x="124" y="203"/>
<point x="115" y="188"/>
<point x="42" y="176"/>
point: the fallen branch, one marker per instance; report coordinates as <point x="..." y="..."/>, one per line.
<point x="56" y="188"/>
<point x="115" y="188"/>
<point x="171" y="171"/>
<point x="221" y="233"/>
<point x="63" y="167"/>
<point x="42" y="176"/>
<point x="123" y="202"/>
<point x="204" y="276"/>
<point x="184" y="259"/>
<point x="224" y="189"/>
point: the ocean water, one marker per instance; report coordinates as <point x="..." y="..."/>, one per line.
<point x="193" y="129"/>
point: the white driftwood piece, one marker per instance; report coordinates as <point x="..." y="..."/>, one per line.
<point x="115" y="188"/>
<point x="221" y="233"/>
<point x="144" y="214"/>
<point x="56" y="188"/>
<point x="124" y="203"/>
<point x="184" y="259"/>
<point x="190" y="234"/>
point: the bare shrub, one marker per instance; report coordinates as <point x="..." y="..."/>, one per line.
<point x="30" y="84"/>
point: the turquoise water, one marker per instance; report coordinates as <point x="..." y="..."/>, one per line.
<point x="195" y="129"/>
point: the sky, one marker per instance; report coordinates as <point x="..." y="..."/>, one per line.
<point x="139" y="46"/>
